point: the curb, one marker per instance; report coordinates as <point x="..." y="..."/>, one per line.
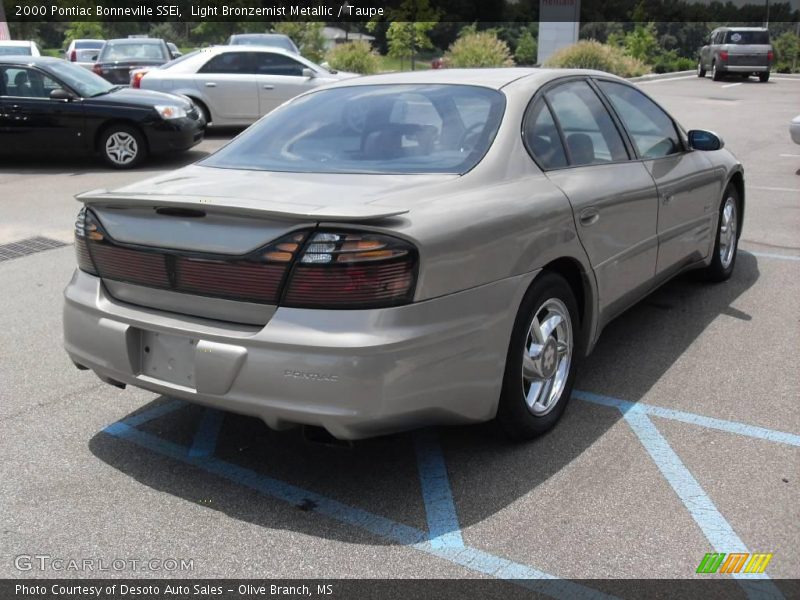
<point x="657" y="76"/>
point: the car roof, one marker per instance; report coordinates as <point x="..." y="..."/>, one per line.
<point x="20" y="43"/>
<point x="137" y="40"/>
<point x="734" y="28"/>
<point x="234" y="48"/>
<point x="495" y="78"/>
<point x="29" y="60"/>
<point x="267" y="35"/>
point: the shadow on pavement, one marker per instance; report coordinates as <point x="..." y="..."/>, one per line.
<point x="381" y="475"/>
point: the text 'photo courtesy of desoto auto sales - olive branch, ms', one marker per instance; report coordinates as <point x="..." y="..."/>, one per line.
<point x="400" y="299"/>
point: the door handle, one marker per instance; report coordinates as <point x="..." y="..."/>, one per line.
<point x="267" y="86"/>
<point x="589" y="216"/>
<point x="210" y="84"/>
<point x="669" y="198"/>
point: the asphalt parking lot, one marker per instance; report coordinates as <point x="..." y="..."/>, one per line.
<point x="683" y="439"/>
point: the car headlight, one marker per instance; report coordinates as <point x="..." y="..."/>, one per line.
<point x="170" y="112"/>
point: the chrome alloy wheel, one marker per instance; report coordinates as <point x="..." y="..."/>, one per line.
<point x="121" y="148"/>
<point x="546" y="358"/>
<point x="728" y="225"/>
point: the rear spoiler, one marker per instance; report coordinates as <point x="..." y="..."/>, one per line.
<point x="239" y="206"/>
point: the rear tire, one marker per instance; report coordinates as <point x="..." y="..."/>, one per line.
<point x="542" y="359"/>
<point x="726" y="244"/>
<point x="122" y="146"/>
<point x="715" y="74"/>
<point x="763" y="77"/>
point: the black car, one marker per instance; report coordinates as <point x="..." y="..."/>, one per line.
<point x="119" y="57"/>
<point x="48" y="104"/>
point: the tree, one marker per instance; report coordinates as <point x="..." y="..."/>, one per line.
<point x="409" y="29"/>
<point x="307" y="35"/>
<point x="527" y="48"/>
<point x="83" y="30"/>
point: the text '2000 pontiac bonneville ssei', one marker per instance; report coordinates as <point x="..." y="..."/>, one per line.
<point x="401" y="250"/>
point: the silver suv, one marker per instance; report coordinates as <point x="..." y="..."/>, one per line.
<point x="742" y="50"/>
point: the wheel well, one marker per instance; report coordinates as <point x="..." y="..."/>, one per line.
<point x="104" y="128"/>
<point x="203" y="106"/>
<point x="571" y="271"/>
<point x="737" y="180"/>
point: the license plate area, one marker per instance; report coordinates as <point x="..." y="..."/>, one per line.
<point x="169" y="358"/>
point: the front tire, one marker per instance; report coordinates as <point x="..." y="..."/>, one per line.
<point x="122" y="146"/>
<point x="727" y="241"/>
<point x="701" y="72"/>
<point x="541" y="361"/>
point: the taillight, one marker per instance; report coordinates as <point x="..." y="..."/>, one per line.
<point x="723" y="55"/>
<point x="136" y="79"/>
<point x="73" y="56"/>
<point x="352" y="270"/>
<point x="770" y="55"/>
<point x="83" y="228"/>
<point x="97" y="68"/>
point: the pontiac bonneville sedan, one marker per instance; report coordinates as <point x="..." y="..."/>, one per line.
<point x="401" y="250"/>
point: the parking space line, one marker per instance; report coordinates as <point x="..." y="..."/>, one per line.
<point x="468" y="557"/>
<point x="753" y="431"/>
<point x="727" y="85"/>
<point x="773" y="189"/>
<point x="443" y="527"/>
<point x="773" y="255"/>
<point x="714" y="526"/>
<point x="153" y="413"/>
<point x="205" y="438"/>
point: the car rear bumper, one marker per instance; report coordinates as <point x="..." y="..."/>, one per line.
<point x="743" y="68"/>
<point x="357" y="373"/>
<point x="175" y="135"/>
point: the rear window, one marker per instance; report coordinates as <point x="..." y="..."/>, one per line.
<point x="15" y="50"/>
<point x="88" y="45"/>
<point x="380" y="129"/>
<point x="133" y="51"/>
<point x="747" y="37"/>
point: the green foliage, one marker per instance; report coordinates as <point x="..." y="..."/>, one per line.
<point x="787" y="52"/>
<point x="591" y="54"/>
<point x="79" y="30"/>
<point x="307" y="35"/>
<point x="481" y="49"/>
<point x="357" y="57"/>
<point x="409" y="29"/>
<point x="526" y="51"/>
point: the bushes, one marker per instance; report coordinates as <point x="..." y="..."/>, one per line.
<point x="357" y="57"/>
<point x="478" y="49"/>
<point x="526" y="50"/>
<point x="591" y="54"/>
<point x="787" y="52"/>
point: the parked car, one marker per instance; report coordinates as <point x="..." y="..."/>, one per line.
<point x="794" y="129"/>
<point x="18" y="48"/>
<point x="83" y="53"/>
<point x="235" y="85"/>
<point x="174" y="52"/>
<point x="119" y="57"/>
<point x="272" y="40"/>
<point x="743" y="51"/>
<point x="401" y="250"/>
<point x="50" y="105"/>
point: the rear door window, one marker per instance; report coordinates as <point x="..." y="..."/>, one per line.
<point x="541" y="137"/>
<point x="228" y="63"/>
<point x="590" y="135"/>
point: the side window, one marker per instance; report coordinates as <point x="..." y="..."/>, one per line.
<point x="541" y="136"/>
<point x="228" y="62"/>
<point x="653" y="132"/>
<point x="266" y="63"/>
<point x="589" y="132"/>
<point x="28" y="83"/>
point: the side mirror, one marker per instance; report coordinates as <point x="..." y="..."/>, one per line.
<point x="699" y="139"/>
<point x="62" y="94"/>
<point x="309" y="73"/>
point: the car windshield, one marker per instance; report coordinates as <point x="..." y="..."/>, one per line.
<point x="115" y="51"/>
<point x="747" y="37"/>
<point x="83" y="81"/>
<point x="372" y="129"/>
<point x="15" y="50"/>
